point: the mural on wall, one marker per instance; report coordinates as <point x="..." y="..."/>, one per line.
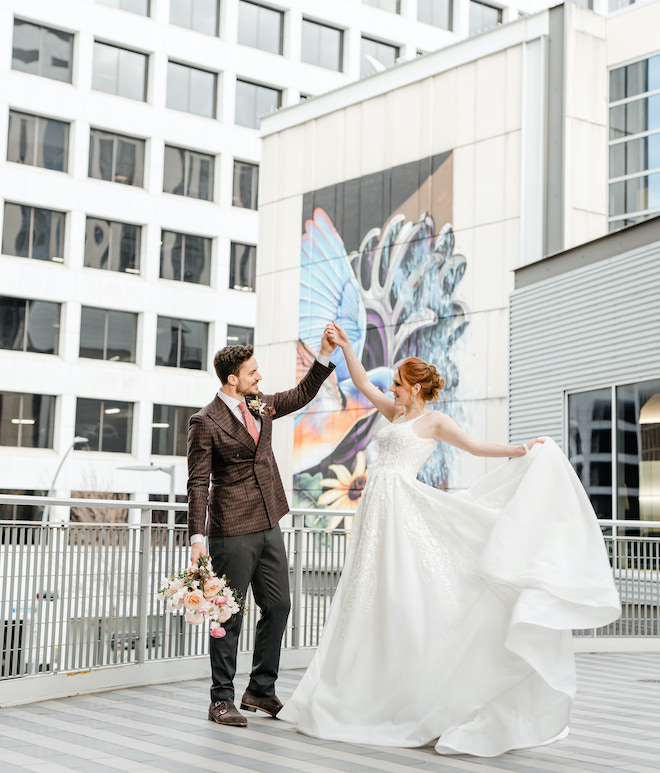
<point x="378" y="257"/>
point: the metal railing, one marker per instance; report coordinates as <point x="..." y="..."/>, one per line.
<point x="80" y="595"/>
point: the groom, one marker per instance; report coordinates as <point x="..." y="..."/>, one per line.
<point x="229" y="446"/>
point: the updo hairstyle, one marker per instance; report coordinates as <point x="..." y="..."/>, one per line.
<point x="415" y="371"/>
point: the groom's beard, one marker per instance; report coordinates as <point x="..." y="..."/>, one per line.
<point x="250" y="391"/>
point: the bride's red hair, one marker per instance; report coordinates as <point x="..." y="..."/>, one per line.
<point x="415" y="371"/>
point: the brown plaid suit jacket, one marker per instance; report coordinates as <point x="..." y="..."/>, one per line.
<point x="246" y="493"/>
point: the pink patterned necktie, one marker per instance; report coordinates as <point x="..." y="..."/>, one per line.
<point x="249" y="422"/>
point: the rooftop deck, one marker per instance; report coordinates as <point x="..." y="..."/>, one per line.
<point x="164" y="728"/>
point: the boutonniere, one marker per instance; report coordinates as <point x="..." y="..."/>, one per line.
<point x="258" y="406"/>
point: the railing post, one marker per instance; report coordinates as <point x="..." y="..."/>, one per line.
<point x="144" y="583"/>
<point x="297" y="590"/>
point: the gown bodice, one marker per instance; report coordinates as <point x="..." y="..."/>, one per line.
<point x="402" y="450"/>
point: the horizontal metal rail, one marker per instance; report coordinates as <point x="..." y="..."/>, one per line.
<point x="81" y="595"/>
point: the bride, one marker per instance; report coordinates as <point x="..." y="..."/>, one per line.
<point x="451" y="623"/>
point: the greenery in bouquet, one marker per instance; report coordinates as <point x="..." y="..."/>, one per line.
<point x="202" y="594"/>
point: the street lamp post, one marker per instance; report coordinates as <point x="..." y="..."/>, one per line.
<point x="51" y="491"/>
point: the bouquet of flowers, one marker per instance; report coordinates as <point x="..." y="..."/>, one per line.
<point x="202" y="594"/>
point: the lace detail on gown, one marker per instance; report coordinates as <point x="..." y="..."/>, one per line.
<point x="402" y="454"/>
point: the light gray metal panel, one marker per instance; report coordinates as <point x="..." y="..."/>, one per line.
<point x="586" y="328"/>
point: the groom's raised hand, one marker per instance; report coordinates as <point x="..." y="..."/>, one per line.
<point x="327" y="344"/>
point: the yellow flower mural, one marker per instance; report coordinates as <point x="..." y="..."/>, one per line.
<point x="345" y="490"/>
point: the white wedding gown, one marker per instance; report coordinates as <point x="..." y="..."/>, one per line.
<point x="452" y="619"/>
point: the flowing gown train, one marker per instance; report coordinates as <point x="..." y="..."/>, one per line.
<point x="451" y="623"/>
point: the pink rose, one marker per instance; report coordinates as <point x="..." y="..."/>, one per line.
<point x="211" y="587"/>
<point x="193" y="600"/>
<point x="219" y="600"/>
<point x="218" y="632"/>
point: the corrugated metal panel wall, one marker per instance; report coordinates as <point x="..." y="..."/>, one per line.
<point x="587" y="328"/>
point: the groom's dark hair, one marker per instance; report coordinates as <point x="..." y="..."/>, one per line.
<point x="230" y="359"/>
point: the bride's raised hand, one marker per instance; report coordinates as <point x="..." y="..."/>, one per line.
<point x="339" y="335"/>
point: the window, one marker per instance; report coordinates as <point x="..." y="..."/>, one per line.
<point x="181" y="343"/>
<point x="26" y="421"/>
<point x="120" y="71"/>
<point x="38" y="141"/>
<point x="243" y="267"/>
<point x="112" y="246"/>
<point x="199" y="15"/>
<point x="185" y="258"/>
<point x="614" y="5"/>
<point x="394" y="6"/>
<point x="384" y="53"/>
<point x="246" y="184"/>
<point x="29" y="326"/>
<point x="191" y="90"/>
<point x="483" y="17"/>
<point x="107" y="335"/>
<point x="21" y="512"/>
<point x="237" y="335"/>
<point x="107" y="424"/>
<point x="260" y="27"/>
<point x="435" y="12"/>
<point x="42" y="51"/>
<point x="116" y="158"/>
<point x="169" y="430"/>
<point x="180" y="516"/>
<point x="635" y="473"/>
<point x="634" y="143"/>
<point x="188" y="173"/>
<point x="254" y="101"/>
<point x="322" y="45"/>
<point x="31" y="232"/>
<point x="134" y="6"/>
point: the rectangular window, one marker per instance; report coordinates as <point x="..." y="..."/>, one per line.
<point x="180" y="516"/>
<point x="120" y="71"/>
<point x="260" y="27"/>
<point x="107" y="335"/>
<point x="31" y="232"/>
<point x="636" y="469"/>
<point x="237" y="335"/>
<point x="181" y="343"/>
<point x="253" y="101"/>
<point x="26" y="421"/>
<point x="38" y="141"/>
<point x="634" y="142"/>
<point x="112" y="246"/>
<point x="483" y="17"/>
<point x="169" y="429"/>
<point x="322" y="45"/>
<point x="435" y="12"/>
<point x="140" y="7"/>
<point x="243" y="267"/>
<point x="191" y="90"/>
<point x="188" y="173"/>
<point x="393" y="6"/>
<point x="42" y="51"/>
<point x="385" y="53"/>
<point x="29" y="326"/>
<point x="246" y="184"/>
<point x="116" y="158"/>
<point x="185" y="258"/>
<point x="21" y="512"/>
<point x="199" y="15"/>
<point x="107" y="425"/>
<point x="614" y="5"/>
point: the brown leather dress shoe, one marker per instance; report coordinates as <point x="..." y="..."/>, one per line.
<point x="270" y="705"/>
<point x="225" y="713"/>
